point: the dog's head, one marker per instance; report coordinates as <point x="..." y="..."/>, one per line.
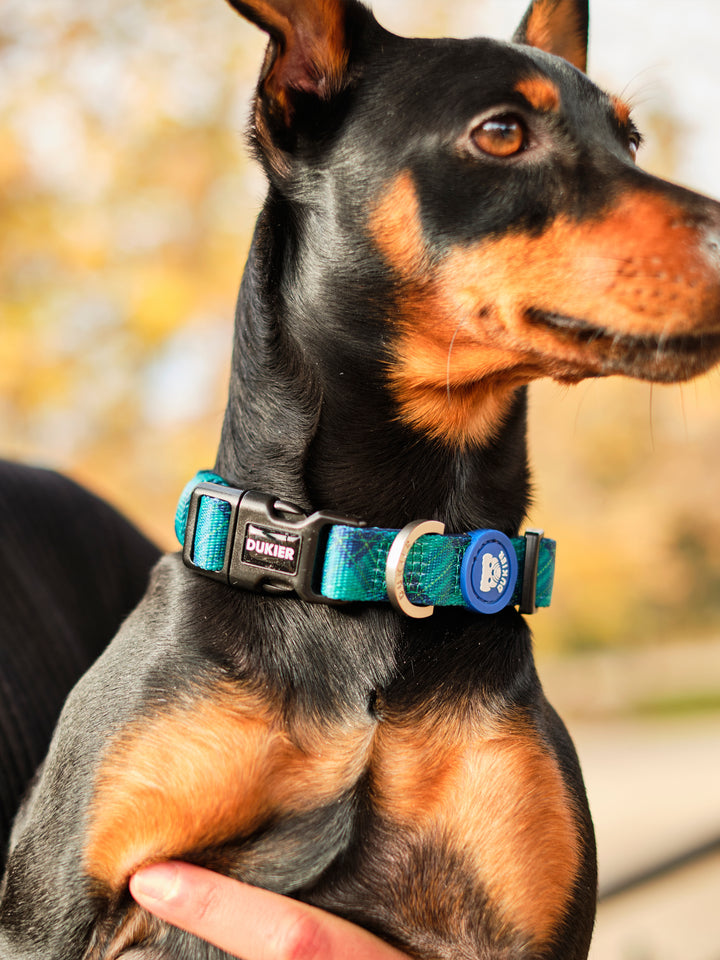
<point x="492" y="189"/>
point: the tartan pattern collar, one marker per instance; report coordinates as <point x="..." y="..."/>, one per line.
<point x="258" y="542"/>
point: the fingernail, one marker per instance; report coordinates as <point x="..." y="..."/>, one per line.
<point x="159" y="882"/>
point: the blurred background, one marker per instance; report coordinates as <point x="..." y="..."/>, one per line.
<point x="127" y="198"/>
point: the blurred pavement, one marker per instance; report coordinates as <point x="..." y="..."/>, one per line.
<point x="654" y="789"/>
<point x="676" y="918"/>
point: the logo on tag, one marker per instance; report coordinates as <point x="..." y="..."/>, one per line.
<point x="495" y="572"/>
<point x="273" y="549"/>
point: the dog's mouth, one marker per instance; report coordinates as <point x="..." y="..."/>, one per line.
<point x="661" y="358"/>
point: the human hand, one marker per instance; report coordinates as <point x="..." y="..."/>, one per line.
<point x="248" y="922"/>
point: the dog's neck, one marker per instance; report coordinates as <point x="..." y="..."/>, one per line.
<point x="310" y="417"/>
<point x="310" y="420"/>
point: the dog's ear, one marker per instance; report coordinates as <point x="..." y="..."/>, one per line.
<point x="308" y="51"/>
<point x="559" y="27"/>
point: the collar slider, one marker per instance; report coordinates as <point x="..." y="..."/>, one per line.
<point x="528" y="596"/>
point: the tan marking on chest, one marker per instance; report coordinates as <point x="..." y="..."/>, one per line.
<point x="202" y="774"/>
<point x="498" y="797"/>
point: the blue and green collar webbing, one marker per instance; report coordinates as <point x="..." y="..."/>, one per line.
<point x="257" y="542"/>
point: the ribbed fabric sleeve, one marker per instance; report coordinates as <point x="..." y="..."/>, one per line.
<point x="71" y="569"/>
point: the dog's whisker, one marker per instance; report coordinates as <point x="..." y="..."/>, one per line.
<point x="449" y="358"/>
<point x="652" y="423"/>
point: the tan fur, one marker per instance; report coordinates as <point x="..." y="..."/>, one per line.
<point x="555" y="28"/>
<point x="491" y="790"/>
<point x="622" y="110"/>
<point x="200" y="774"/>
<point x="540" y="92"/>
<point x="464" y="341"/>
<point x="205" y="773"/>
<point x="434" y="394"/>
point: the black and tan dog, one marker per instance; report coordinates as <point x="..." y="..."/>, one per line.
<point x="446" y="221"/>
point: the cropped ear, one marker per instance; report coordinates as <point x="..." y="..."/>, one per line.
<point x="559" y="27"/>
<point x="308" y="51"/>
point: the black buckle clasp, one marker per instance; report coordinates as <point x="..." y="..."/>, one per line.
<point x="272" y="546"/>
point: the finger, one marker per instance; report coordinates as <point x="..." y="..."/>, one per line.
<point x="249" y="922"/>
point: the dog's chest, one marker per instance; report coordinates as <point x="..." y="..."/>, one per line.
<point x="412" y="802"/>
<point x="474" y="818"/>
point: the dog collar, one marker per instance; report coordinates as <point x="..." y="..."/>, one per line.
<point x="258" y="542"/>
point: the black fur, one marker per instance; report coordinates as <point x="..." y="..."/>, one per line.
<point x="311" y="418"/>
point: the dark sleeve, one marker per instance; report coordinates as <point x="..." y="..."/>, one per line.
<point x="71" y="569"/>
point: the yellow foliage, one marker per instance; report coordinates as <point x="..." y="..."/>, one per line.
<point x="127" y="199"/>
<point x="12" y="165"/>
<point x="160" y="299"/>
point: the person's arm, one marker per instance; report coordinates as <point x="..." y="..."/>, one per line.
<point x="249" y="922"/>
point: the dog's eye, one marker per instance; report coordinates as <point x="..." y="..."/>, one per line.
<point x="634" y="140"/>
<point x="502" y="136"/>
<point x="634" y="145"/>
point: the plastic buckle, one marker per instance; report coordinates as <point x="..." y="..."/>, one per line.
<point x="533" y="539"/>
<point x="272" y="545"/>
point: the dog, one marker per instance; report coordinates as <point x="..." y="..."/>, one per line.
<point x="446" y="222"/>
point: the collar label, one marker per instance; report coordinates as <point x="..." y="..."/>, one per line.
<point x="273" y="549"/>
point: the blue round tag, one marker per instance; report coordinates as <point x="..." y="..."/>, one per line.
<point x="489" y="571"/>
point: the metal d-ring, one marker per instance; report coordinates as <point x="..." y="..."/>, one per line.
<point x="395" y="566"/>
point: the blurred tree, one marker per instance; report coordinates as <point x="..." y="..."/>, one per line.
<point x="127" y="198"/>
